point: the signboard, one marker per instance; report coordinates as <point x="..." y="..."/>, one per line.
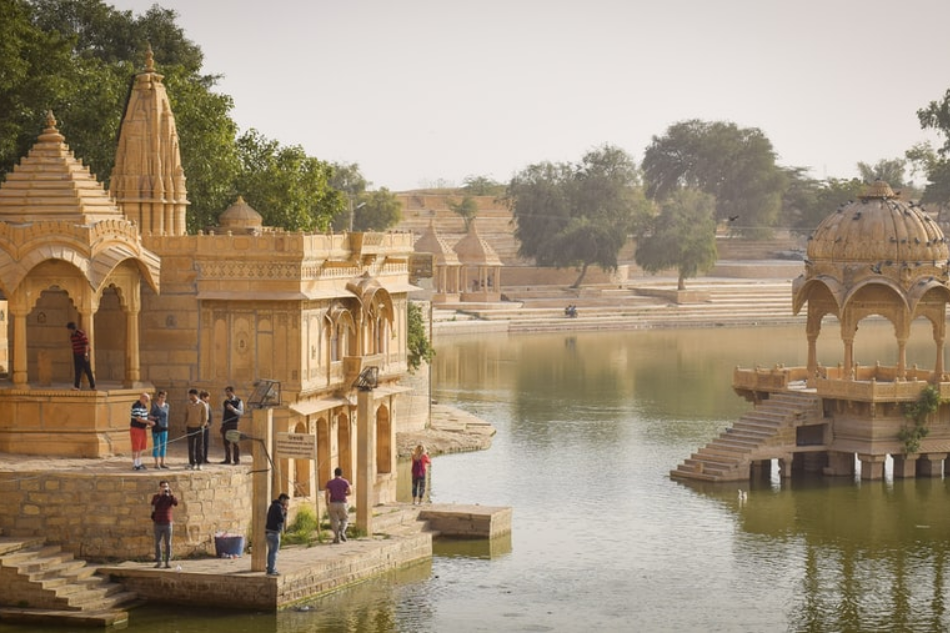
<point x="420" y="266"/>
<point x="295" y="445"/>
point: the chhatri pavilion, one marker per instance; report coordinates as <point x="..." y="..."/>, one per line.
<point x="875" y="257"/>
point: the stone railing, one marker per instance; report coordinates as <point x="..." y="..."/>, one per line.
<point x="872" y="383"/>
<point x="776" y="378"/>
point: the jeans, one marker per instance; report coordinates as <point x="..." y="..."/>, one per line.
<point x="273" y="545"/>
<point x="81" y="366"/>
<point x="159" y="444"/>
<point x="163" y="532"/>
<point x="418" y="487"/>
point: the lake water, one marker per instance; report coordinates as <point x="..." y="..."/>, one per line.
<point x="589" y="426"/>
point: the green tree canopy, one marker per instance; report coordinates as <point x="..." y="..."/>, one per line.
<point x="735" y="165"/>
<point x="418" y="347"/>
<point x="936" y="164"/>
<point x="288" y="188"/>
<point x="378" y="210"/>
<point x="482" y="186"/>
<point x="467" y="209"/>
<point x="808" y="201"/>
<point x="682" y="236"/>
<point x="78" y="59"/>
<point x="890" y="171"/>
<point x="576" y="214"/>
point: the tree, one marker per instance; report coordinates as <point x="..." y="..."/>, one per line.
<point x="418" y="347"/>
<point x="576" y="215"/>
<point x="78" y="58"/>
<point x="203" y="118"/>
<point x="735" y="165"/>
<point x="681" y="236"/>
<point x="467" y="209"/>
<point x="482" y="186"/>
<point x="890" y="171"/>
<point x="935" y="116"/>
<point x="377" y="211"/>
<point x="35" y="68"/>
<point x="288" y="188"/>
<point x="808" y="201"/>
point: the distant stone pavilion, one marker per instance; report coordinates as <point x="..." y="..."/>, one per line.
<point x="876" y="256"/>
<point x="233" y="305"/>
<point x="468" y="272"/>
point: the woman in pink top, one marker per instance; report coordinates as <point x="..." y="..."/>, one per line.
<point x="420" y="467"/>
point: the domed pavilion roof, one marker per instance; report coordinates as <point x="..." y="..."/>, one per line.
<point x="241" y="217"/>
<point x="879" y="241"/>
<point x="878" y="228"/>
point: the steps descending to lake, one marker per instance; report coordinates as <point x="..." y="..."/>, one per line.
<point x="42" y="583"/>
<point x="541" y="309"/>
<point x="766" y="432"/>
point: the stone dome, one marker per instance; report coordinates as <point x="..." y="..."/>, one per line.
<point x="878" y="229"/>
<point x="241" y="217"/>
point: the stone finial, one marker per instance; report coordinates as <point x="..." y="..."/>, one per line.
<point x="878" y="189"/>
<point x="149" y="59"/>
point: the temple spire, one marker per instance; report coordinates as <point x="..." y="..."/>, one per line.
<point x="148" y="180"/>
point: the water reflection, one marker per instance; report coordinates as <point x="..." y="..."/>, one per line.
<point x="590" y="425"/>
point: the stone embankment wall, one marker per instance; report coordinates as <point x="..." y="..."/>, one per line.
<point x="97" y="517"/>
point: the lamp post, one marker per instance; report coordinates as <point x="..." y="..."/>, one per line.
<point x="353" y="211"/>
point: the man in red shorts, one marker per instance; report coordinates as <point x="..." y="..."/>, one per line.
<point x="140" y="422"/>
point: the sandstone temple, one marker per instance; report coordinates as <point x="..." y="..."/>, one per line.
<point x="244" y="305"/>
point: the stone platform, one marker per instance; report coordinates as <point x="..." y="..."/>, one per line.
<point x="404" y="538"/>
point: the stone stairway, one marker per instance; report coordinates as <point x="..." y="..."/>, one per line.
<point x="728" y="303"/>
<point x="43" y="583"/>
<point x="766" y="432"/>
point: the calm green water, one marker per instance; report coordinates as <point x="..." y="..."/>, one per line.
<point x="589" y="426"/>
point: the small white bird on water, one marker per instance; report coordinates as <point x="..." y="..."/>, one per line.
<point x="743" y="496"/>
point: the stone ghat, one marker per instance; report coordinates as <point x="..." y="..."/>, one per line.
<point x="403" y="538"/>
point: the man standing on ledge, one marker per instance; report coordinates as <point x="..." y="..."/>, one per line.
<point x="140" y="422"/>
<point x="196" y="419"/>
<point x="230" y="417"/>
<point x="80" y="344"/>
<point x="276" y="520"/>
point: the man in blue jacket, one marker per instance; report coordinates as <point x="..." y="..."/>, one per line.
<point x="276" y="521"/>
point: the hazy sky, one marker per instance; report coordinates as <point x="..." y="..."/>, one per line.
<point x="421" y="90"/>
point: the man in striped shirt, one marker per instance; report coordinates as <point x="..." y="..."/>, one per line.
<point x="140" y="421"/>
<point x="80" y="344"/>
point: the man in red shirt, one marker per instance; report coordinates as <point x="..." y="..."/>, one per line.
<point x="80" y="345"/>
<point x="162" y="504"/>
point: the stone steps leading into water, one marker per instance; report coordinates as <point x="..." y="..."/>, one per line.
<point x="42" y="582"/>
<point x="766" y="432"/>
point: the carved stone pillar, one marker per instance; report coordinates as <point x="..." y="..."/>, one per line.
<point x="902" y="358"/>
<point x="19" y="348"/>
<point x="133" y="373"/>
